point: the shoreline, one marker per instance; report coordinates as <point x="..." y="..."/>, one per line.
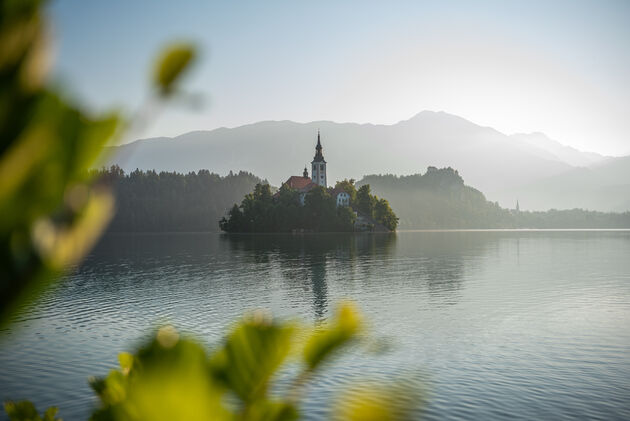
<point x="121" y="233"/>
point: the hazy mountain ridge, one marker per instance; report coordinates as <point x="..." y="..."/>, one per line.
<point x="604" y="186"/>
<point x="439" y="199"/>
<point x="552" y="149"/>
<point x="497" y="164"/>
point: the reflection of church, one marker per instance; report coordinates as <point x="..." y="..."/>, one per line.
<point x="303" y="184"/>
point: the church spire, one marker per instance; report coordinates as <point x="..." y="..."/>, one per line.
<point x="318" y="150"/>
<point x="318" y="166"/>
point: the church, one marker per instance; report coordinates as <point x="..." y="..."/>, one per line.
<point x="303" y="184"/>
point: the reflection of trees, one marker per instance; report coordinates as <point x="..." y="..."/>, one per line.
<point x="304" y="260"/>
<point x="308" y="267"/>
<point x="438" y="261"/>
<point x="320" y="288"/>
<point x="145" y="250"/>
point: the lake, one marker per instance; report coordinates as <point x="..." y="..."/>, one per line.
<point x="492" y="324"/>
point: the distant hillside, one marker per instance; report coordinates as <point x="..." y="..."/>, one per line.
<point x="492" y="161"/>
<point x="148" y="201"/>
<point x="439" y="199"/>
<point x="604" y="186"/>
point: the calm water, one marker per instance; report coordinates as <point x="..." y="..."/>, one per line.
<point x="499" y="325"/>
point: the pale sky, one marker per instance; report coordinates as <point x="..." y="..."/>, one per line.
<point x="559" y="67"/>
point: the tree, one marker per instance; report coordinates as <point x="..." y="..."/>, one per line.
<point x="261" y="212"/>
<point x="320" y="209"/>
<point x="170" y="201"/>
<point x="234" y="222"/>
<point x="364" y="200"/>
<point x="257" y="209"/>
<point x="384" y="214"/>
<point x="345" y="219"/>
<point x="52" y="211"/>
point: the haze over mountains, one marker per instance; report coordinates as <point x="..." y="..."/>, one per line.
<point x="532" y="168"/>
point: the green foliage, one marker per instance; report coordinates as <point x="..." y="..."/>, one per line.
<point x="320" y="210"/>
<point x="172" y="62"/>
<point x="251" y="354"/>
<point x="372" y="207"/>
<point x="384" y="214"/>
<point x="51" y="211"/>
<point x="327" y="340"/>
<point x="345" y="218"/>
<point x="260" y="211"/>
<point x="379" y="402"/>
<point x="148" y="201"/>
<point x="25" y="411"/>
<point x="50" y="214"/>
<point x="172" y="378"/>
<point x="167" y="379"/>
<point x="364" y="200"/>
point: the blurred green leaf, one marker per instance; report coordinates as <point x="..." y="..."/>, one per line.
<point x="331" y="337"/>
<point x="265" y="410"/>
<point x="166" y="381"/>
<point x="49" y="414"/>
<point x="171" y="64"/>
<point x="173" y="378"/>
<point x="125" y="360"/>
<point x="26" y="411"/>
<point x="369" y="401"/>
<point x="51" y="214"/>
<point x="250" y="356"/>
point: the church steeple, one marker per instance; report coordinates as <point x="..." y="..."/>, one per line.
<point x="318" y="150"/>
<point x="305" y="173"/>
<point x="318" y="166"/>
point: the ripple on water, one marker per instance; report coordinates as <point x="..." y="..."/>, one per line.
<point x="493" y="325"/>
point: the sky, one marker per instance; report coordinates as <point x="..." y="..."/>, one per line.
<point x="558" y="67"/>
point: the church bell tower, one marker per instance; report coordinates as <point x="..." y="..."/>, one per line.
<point x="318" y="166"/>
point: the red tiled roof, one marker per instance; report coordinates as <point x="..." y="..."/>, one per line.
<point x="300" y="183"/>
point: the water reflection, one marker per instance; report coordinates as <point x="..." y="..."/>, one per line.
<point x="320" y="289"/>
<point x="431" y="263"/>
<point x="531" y="321"/>
<point x="439" y="262"/>
<point x="305" y="259"/>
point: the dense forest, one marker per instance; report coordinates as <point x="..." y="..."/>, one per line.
<point x="148" y="201"/>
<point x="439" y="199"/>
<point x="260" y="211"/>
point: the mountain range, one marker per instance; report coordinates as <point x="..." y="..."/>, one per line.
<point x="537" y="171"/>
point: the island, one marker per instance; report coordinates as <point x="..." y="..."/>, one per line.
<point x="306" y="204"/>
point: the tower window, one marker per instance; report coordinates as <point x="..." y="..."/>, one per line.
<point x="321" y="167"/>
